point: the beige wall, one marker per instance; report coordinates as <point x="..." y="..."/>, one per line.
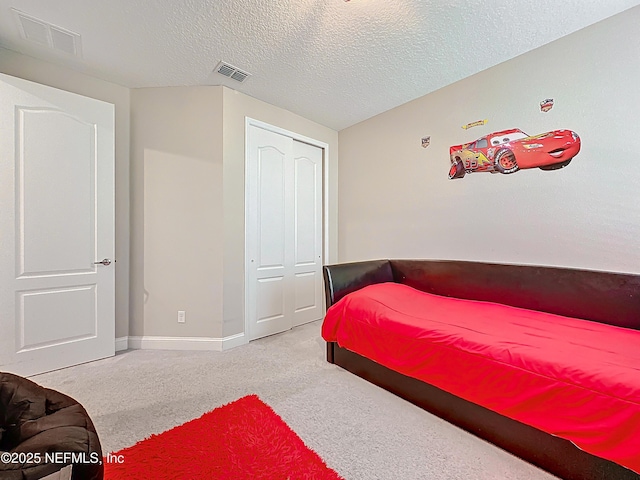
<point x="237" y="107"/>
<point x="177" y="226"/>
<point x="12" y="63"/>
<point x="396" y="200"/>
<point x="188" y="147"/>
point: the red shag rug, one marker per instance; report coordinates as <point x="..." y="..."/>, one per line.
<point x="245" y="439"/>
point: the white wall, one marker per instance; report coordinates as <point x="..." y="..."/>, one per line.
<point x="12" y="63"/>
<point x="396" y="200"/>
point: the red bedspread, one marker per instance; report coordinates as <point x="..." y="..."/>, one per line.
<point x="572" y="378"/>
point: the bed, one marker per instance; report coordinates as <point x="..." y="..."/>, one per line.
<point x="543" y="362"/>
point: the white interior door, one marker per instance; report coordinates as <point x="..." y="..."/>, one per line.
<point x="284" y="232"/>
<point x="56" y="221"/>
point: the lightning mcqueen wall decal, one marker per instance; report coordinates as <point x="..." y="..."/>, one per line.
<point x="511" y="150"/>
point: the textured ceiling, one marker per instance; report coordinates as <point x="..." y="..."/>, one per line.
<point x="331" y="61"/>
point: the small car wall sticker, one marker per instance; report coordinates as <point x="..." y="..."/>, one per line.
<point x="546" y="105"/>
<point x="511" y="150"/>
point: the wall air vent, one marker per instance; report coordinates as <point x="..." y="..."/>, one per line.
<point x="52" y="36"/>
<point x="232" y="72"/>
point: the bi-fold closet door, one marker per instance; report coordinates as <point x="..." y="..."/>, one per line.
<point x="284" y="232"/>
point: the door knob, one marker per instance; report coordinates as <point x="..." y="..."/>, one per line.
<point x="104" y="262"/>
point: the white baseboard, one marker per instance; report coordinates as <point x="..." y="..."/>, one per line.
<point x="122" y="343"/>
<point x="234" y="341"/>
<point x="181" y="343"/>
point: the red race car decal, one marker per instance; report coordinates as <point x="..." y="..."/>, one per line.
<point x="511" y="150"/>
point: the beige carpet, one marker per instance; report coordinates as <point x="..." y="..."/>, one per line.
<point x="360" y="430"/>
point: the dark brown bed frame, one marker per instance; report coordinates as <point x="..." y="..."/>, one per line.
<point x="604" y="297"/>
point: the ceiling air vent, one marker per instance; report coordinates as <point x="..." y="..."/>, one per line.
<point x="52" y="36"/>
<point x="232" y="72"/>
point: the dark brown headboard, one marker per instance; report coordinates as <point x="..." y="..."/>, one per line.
<point x="344" y="278"/>
<point x="612" y="298"/>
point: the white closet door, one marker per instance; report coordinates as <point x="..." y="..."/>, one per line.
<point x="307" y="261"/>
<point x="56" y="221"/>
<point x="269" y="232"/>
<point x="284" y="234"/>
